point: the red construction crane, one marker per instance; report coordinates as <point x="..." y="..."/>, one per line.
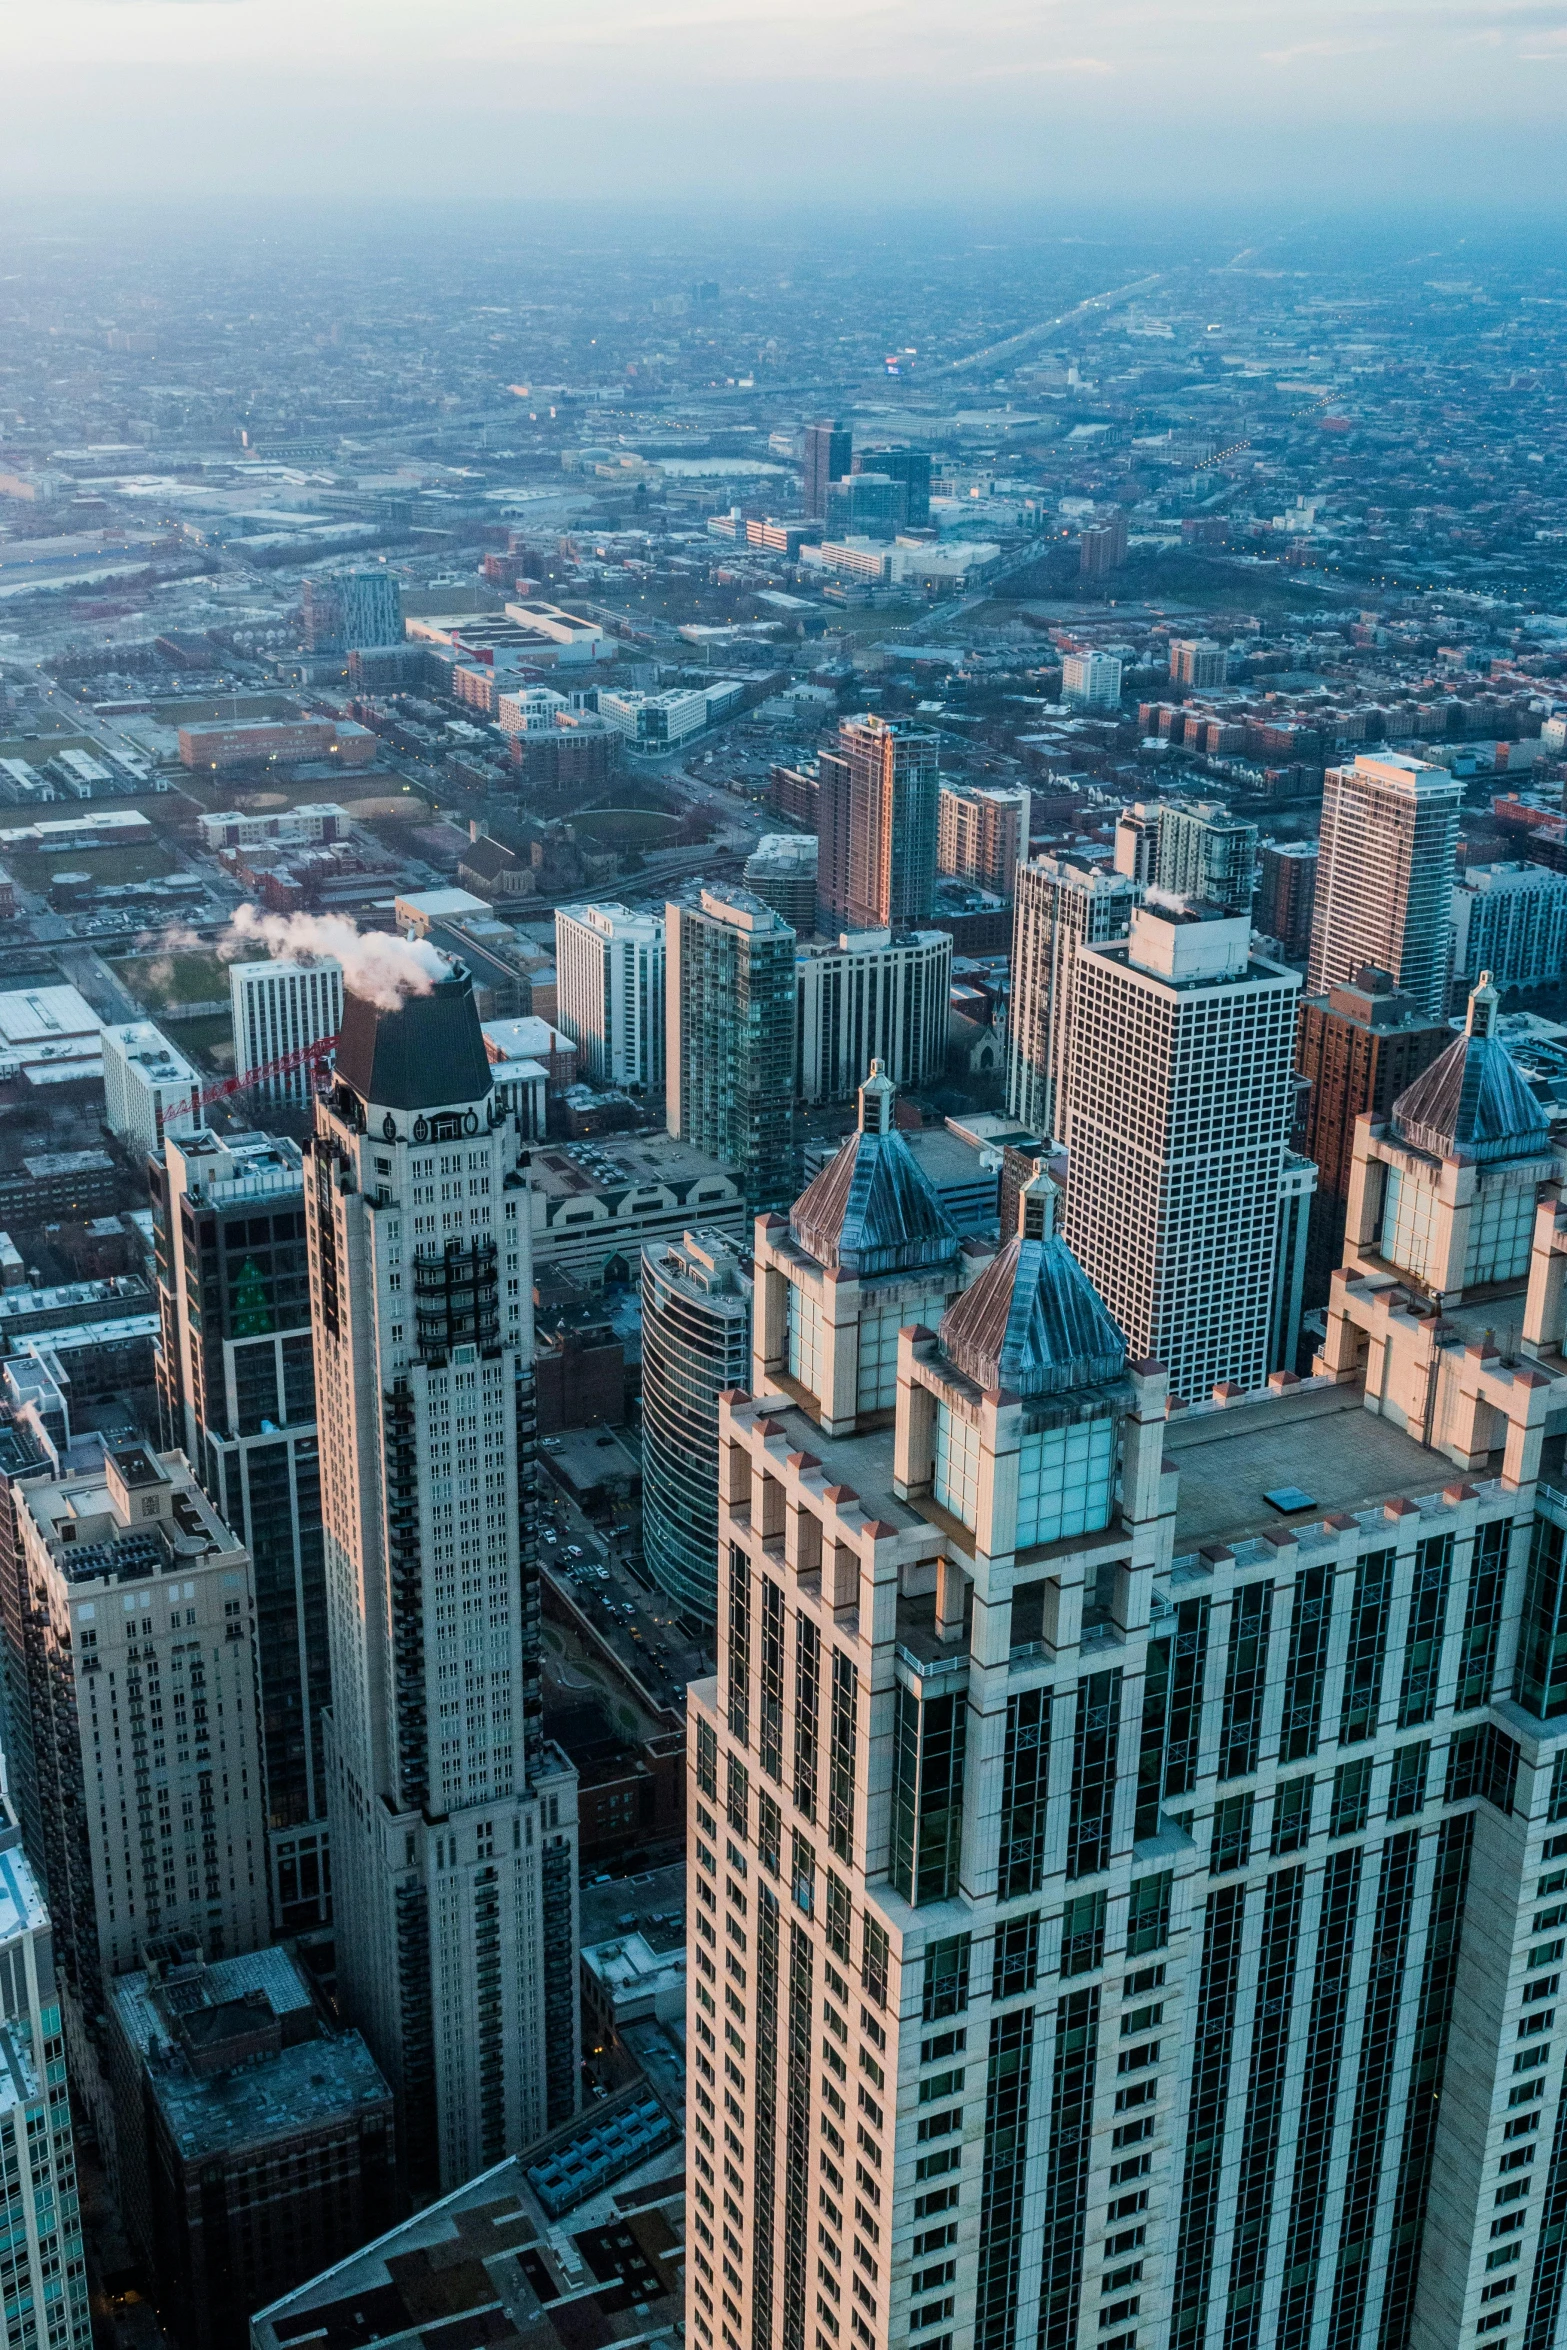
<point x="314" y="1057"/>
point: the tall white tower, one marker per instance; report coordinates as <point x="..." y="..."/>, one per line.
<point x="454" y="1825"/>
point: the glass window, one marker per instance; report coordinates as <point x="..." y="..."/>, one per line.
<point x="957" y="1465"/>
<point x="1066" y="1481"/>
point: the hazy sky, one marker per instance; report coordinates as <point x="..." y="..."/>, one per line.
<point x="1348" y="101"/>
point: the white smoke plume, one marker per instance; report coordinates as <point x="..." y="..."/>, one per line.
<point x="175" y="939"/>
<point x="382" y="968"/>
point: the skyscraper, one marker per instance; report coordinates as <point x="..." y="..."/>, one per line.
<point x="696" y="1342"/>
<point x="828" y="449"/>
<point x="453" y="1820"/>
<point x="1182" y="1095"/>
<point x="877" y="825"/>
<point x="871" y="995"/>
<point x="1358" y="1047"/>
<point x="352" y="611"/>
<point x="1385" y="872"/>
<point x="609" y="970"/>
<point x="43" y="2282"/>
<point x="982" y="833"/>
<point x="909" y="466"/>
<point x="781" y="871"/>
<point x="279" y="1007"/>
<point x="236" y="1392"/>
<point x="1126" y="1843"/>
<point x="1059" y="907"/>
<point x="1286" y="891"/>
<point x="729" y="1029"/>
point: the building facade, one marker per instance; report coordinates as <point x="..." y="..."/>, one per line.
<point x="1385" y="873"/>
<point x="236" y="1394"/>
<point x="147" y="1085"/>
<point x="453" y="1820"/>
<point x="696" y="1343"/>
<point x="829" y="449"/>
<point x="1508" y="920"/>
<point x="1182" y="1098"/>
<point x="609" y="965"/>
<point x="1207" y="856"/>
<point x="871" y="996"/>
<point x="1357" y="1047"/>
<point x="1092" y="679"/>
<point x="1286" y="893"/>
<point x="877" y="794"/>
<point x="279" y="1008"/>
<point x="1059" y="908"/>
<point x="1132" y="1888"/>
<point x="781" y="871"/>
<point x="982" y="833"/>
<point x="729" y="965"/>
<point x="43" y="2283"/>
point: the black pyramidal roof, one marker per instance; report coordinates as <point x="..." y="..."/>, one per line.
<point x="427" y="1055"/>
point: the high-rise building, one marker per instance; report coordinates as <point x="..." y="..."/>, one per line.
<point x="696" y="1342"/>
<point x="729" y="1031"/>
<point x="279" y="1008"/>
<point x="147" y="1084"/>
<point x="43" y="2282"/>
<point x="1286" y="892"/>
<point x="1092" y="679"/>
<point x="910" y="467"/>
<point x="1385" y="874"/>
<point x="254" y="2142"/>
<point x="132" y="1739"/>
<point x="1297" y="1187"/>
<point x="1102" y="547"/>
<point x="1358" y="1047"/>
<point x="1137" y="842"/>
<point x="453" y="1819"/>
<point x="1182" y="1095"/>
<point x="1152" y="1949"/>
<point x="1508" y="920"/>
<point x="866" y="505"/>
<point x="352" y="611"/>
<point x="1206" y="856"/>
<point x="829" y="448"/>
<point x="236" y="1394"/>
<point x="871" y="995"/>
<point x="982" y="833"/>
<point x="609" y="966"/>
<point x="781" y="871"/>
<point x="876" y="823"/>
<point x="1197" y="661"/>
<point x="1060" y="907"/>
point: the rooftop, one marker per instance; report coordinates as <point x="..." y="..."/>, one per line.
<point x="620" y="1163"/>
<point x="1230" y="1460"/>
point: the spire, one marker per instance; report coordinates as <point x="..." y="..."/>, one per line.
<point x="1036" y="1205"/>
<point x="877" y="1096"/>
<point x="1483" y="1001"/>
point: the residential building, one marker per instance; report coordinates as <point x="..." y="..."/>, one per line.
<point x="1102" y="547"/>
<point x="371" y="603"/>
<point x="829" y="448"/>
<point x="729" y="1036"/>
<point x="1060" y="906"/>
<point x="651" y="720"/>
<point x="236" y="1394"/>
<point x="1143" y="1855"/>
<point x="1286" y="893"/>
<point x="1182" y="1096"/>
<point x="453" y="1819"/>
<point x="254" y="2141"/>
<point x="1137" y="842"/>
<point x="53" y="1185"/>
<point x="280" y="1008"/>
<point x="871" y="995"/>
<point x="1206" y="856"/>
<point x="43" y="2284"/>
<point x="696" y="1343"/>
<point x="1385" y="876"/>
<point x="1198" y="662"/>
<point x="877" y="826"/>
<point x="1359" y="1047"/>
<point x="313" y="824"/>
<point x="609" y="966"/>
<point x="982" y="833"/>
<point x="133" y="1744"/>
<point x="147" y="1085"/>
<point x="781" y="871"/>
<point x="1092" y="679"/>
<point x="1509" y="921"/>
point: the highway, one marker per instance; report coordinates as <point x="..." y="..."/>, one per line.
<point x="1031" y="334"/>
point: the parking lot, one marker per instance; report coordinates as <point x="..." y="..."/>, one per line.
<point x="631" y="1617"/>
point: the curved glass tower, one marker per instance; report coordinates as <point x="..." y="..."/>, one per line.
<point x="696" y="1341"/>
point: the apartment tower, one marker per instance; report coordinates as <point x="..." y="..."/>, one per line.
<point x="453" y="1820"/>
<point x="1385" y="871"/>
<point x="729" y="1025"/>
<point x="1059" y="907"/>
<point x="609" y="969"/>
<point x="877" y="826"/>
<point x="1182" y="1097"/>
<point x="279" y="1008"/>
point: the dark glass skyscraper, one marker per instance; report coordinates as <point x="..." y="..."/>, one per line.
<point x="828" y="448"/>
